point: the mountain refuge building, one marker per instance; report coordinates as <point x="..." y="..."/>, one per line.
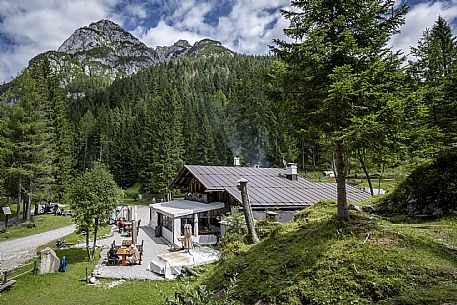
<point x="212" y="191"/>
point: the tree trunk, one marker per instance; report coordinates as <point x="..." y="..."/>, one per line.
<point x="314" y="156"/>
<point x="35" y="208"/>
<point x="24" y="209"/>
<point x="95" y="237"/>
<point x="380" y="176"/>
<point x="87" y="245"/>
<point x="343" y="212"/>
<point x="247" y="210"/>
<point x="29" y="202"/>
<point x="85" y="155"/>
<point x="19" y="199"/>
<point x="362" y="163"/>
<point x="29" y="206"/>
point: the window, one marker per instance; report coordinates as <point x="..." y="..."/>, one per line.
<point x="168" y="223"/>
<point x="187" y="221"/>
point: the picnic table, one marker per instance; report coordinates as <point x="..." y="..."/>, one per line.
<point x="123" y="252"/>
<point x="126" y="242"/>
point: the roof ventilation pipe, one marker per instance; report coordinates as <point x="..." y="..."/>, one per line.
<point x="291" y="171"/>
<point x="236" y="161"/>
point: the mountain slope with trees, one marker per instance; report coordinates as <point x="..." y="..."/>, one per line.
<point x="205" y="104"/>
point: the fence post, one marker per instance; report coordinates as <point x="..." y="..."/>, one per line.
<point x="87" y="275"/>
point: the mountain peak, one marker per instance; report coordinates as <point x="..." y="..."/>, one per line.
<point x="104" y="48"/>
<point x="182" y="43"/>
<point x="104" y="23"/>
<point x="100" y="34"/>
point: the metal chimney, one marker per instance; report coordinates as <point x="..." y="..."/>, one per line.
<point x="236" y="161"/>
<point x="291" y="171"/>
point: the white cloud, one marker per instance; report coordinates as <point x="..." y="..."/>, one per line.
<point x="165" y="35"/>
<point x="137" y="11"/>
<point x="249" y="27"/>
<point x="42" y="25"/>
<point x="419" y="18"/>
<point x="191" y="16"/>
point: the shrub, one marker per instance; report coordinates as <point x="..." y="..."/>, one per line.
<point x="186" y="294"/>
<point x="235" y="234"/>
<point x="430" y="190"/>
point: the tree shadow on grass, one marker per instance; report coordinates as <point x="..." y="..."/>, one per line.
<point x="432" y="247"/>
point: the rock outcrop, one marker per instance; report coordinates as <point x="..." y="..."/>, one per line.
<point x="103" y="49"/>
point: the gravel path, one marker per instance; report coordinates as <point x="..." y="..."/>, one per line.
<point x="17" y="251"/>
<point x="152" y="246"/>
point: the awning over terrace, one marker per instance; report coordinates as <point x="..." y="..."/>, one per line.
<point x="179" y="208"/>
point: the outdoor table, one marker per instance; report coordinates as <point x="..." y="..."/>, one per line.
<point x="123" y="252"/>
<point x="126" y="242"/>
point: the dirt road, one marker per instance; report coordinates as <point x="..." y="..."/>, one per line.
<point x="19" y="250"/>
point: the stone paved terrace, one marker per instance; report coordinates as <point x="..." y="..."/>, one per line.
<point x="152" y="247"/>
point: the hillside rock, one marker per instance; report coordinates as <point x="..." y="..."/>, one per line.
<point x="103" y="49"/>
<point x="106" y="44"/>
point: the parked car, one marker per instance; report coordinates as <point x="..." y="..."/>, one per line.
<point x="52" y="208"/>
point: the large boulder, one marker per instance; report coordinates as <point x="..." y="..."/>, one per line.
<point x="49" y="261"/>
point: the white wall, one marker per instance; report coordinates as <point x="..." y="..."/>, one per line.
<point x="168" y="235"/>
<point x="177" y="229"/>
<point x="153" y="219"/>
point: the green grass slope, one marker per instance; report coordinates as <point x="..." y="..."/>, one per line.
<point x="69" y="289"/>
<point x="317" y="260"/>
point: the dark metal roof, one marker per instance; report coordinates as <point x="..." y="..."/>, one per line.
<point x="267" y="187"/>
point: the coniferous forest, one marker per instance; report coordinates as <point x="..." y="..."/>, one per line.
<point x="106" y="111"/>
<point x="207" y="109"/>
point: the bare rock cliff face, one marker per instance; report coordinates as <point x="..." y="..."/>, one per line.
<point x="104" y="49"/>
<point x="107" y="44"/>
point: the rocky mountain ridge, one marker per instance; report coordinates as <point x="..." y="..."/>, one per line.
<point x="104" y="49"/>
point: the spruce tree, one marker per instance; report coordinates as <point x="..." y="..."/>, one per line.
<point x="434" y="70"/>
<point x="333" y="43"/>
<point x="31" y="163"/>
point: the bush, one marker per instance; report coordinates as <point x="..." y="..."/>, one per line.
<point x="235" y="236"/>
<point x="266" y="227"/>
<point x="186" y="294"/>
<point x="430" y="190"/>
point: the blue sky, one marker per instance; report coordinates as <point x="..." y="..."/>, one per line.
<point x="29" y="27"/>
